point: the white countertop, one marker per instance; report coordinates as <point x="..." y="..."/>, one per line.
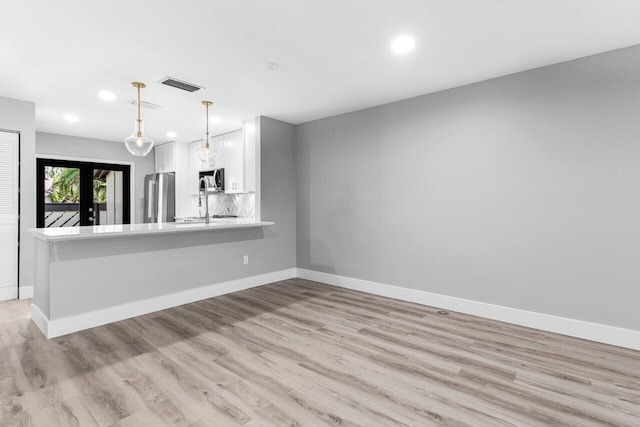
<point x="104" y="231"/>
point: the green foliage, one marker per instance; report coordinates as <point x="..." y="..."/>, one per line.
<point x="99" y="190"/>
<point x="66" y="186"/>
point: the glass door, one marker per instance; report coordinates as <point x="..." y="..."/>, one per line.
<point x="108" y="197"/>
<point x="61" y="196"/>
<point x="72" y="193"/>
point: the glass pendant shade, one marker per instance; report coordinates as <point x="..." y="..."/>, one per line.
<point x="138" y="143"/>
<point x="206" y="154"/>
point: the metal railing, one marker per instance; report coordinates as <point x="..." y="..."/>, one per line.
<point x="68" y="214"/>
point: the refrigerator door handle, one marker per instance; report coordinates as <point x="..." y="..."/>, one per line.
<point x="151" y="199"/>
<point x="160" y="198"/>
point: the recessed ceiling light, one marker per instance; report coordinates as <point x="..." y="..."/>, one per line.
<point x="403" y="44"/>
<point x="71" y="118"/>
<point x="105" y="95"/>
<point x="171" y="134"/>
<point x="272" y="66"/>
<point x="216" y="120"/>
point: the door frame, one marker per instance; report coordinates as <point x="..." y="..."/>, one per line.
<point x="132" y="173"/>
<point x="86" y="168"/>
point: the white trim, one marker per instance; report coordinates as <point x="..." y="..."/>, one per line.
<point x="132" y="174"/>
<point x="26" y="292"/>
<point x="8" y="292"/>
<point x="576" y="328"/>
<point x="258" y="171"/>
<point x="82" y="159"/>
<point x="613" y="335"/>
<point x="39" y="319"/>
<point x="66" y="325"/>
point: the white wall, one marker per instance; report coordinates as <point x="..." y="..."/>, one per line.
<point x="20" y="116"/>
<point x="106" y="151"/>
<point x="522" y="191"/>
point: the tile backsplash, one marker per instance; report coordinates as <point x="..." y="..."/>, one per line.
<point x="241" y="205"/>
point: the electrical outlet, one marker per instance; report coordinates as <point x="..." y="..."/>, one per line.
<point x="245" y="260"/>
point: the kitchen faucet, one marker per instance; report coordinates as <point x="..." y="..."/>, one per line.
<point x="203" y="189"/>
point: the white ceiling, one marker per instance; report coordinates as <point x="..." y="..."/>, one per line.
<point x="334" y="55"/>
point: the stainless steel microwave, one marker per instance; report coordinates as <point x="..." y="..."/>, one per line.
<point x="214" y="179"/>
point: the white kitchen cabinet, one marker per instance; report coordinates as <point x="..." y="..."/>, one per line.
<point x="233" y="151"/>
<point x="240" y="160"/>
<point x="196" y="165"/>
<point x="234" y="162"/>
<point x="217" y="143"/>
<point x="165" y="157"/>
<point x="250" y="143"/>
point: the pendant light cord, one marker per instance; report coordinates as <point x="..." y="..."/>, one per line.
<point x="207" y="125"/>
<point x="207" y="120"/>
<point x="139" y="130"/>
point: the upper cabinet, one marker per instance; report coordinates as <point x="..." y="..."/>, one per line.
<point x="234" y="162"/>
<point x="250" y="146"/>
<point x="233" y="151"/>
<point x="219" y="158"/>
<point x="240" y="159"/>
<point x="196" y="165"/>
<point x="165" y="157"/>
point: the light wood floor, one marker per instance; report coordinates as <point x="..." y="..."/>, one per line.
<point x="302" y="353"/>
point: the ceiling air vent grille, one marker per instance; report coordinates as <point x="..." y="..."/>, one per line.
<point x="179" y="84"/>
<point x="144" y="104"/>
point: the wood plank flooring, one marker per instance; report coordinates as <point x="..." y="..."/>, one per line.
<point x="307" y="354"/>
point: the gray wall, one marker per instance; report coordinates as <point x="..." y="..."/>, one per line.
<point x="522" y="191"/>
<point x="106" y="151"/>
<point x="165" y="264"/>
<point x="20" y="116"/>
<point x="278" y="188"/>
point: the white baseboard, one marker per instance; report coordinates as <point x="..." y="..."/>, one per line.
<point x="576" y="328"/>
<point x="66" y="325"/>
<point x="613" y="335"/>
<point x="26" y="292"/>
<point x="40" y="320"/>
<point x="8" y="293"/>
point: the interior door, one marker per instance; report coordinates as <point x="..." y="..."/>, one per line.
<point x="9" y="219"/>
<point x="73" y="193"/>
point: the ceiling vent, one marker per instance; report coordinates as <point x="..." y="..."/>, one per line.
<point x="179" y="84"/>
<point x="144" y="104"/>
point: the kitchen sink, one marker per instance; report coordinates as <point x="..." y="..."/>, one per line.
<point x="192" y="220"/>
<point x="212" y="219"/>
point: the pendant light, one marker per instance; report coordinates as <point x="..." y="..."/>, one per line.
<point x="206" y="152"/>
<point x="138" y="143"/>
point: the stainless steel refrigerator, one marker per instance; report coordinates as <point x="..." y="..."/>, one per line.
<point x="160" y="197"/>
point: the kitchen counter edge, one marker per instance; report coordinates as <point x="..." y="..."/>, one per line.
<point x="107" y="231"/>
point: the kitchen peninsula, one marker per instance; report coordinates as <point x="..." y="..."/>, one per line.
<point x="89" y="276"/>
